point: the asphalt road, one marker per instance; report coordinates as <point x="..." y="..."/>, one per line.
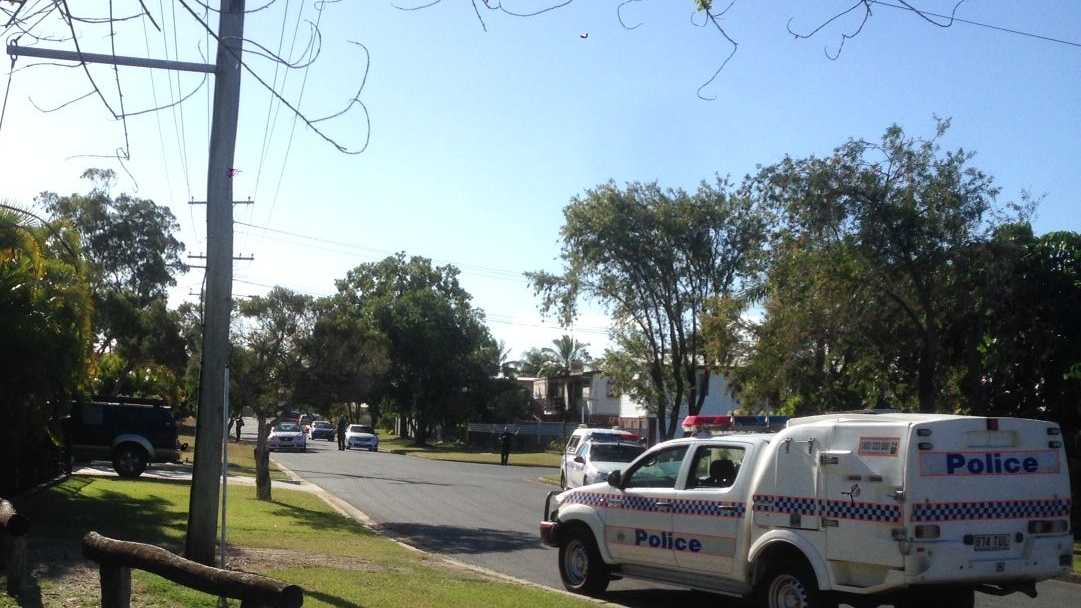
<point x="487" y="515"/>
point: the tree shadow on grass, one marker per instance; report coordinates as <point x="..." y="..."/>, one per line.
<point x="321" y="520"/>
<point x="332" y="600"/>
<point x="458" y="540"/>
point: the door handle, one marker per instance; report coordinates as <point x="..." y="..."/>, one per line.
<point x="663" y="504"/>
<point x="615" y="501"/>
<point x="728" y="509"/>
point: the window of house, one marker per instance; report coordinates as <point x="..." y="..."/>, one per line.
<point x="715" y="466"/>
<point x="659" y="470"/>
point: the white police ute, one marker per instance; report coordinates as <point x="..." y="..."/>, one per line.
<point x="863" y="509"/>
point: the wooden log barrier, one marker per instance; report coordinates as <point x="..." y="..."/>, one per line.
<point x="13" y="529"/>
<point x="117" y="558"/>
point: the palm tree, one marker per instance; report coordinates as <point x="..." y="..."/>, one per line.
<point x="568" y="356"/>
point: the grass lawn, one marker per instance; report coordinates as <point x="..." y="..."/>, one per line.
<point x="396" y="445"/>
<point x="1077" y="558"/>
<point x="296" y="538"/>
<point x="241" y="458"/>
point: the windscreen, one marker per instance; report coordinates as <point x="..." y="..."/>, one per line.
<point x="359" y="428"/>
<point x="287" y="427"/>
<point x="602" y="452"/>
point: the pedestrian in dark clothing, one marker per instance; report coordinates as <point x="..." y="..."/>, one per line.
<point x="505" y="440"/>
<point x="239" y="425"/>
<point x="343" y="424"/>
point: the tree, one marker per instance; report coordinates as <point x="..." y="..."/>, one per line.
<point x="133" y="257"/>
<point x="569" y="356"/>
<point x="531" y="362"/>
<point x="435" y="337"/>
<point x="45" y="327"/>
<point x="268" y="363"/>
<point x="865" y="257"/>
<point x="655" y="259"/>
<point x="344" y="359"/>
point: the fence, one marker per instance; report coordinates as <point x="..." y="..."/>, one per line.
<point x="116" y="558"/>
<point x="529" y="435"/>
<point x="13" y="529"/>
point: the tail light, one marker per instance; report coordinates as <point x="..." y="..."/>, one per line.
<point x="924" y="445"/>
<point x="927" y="532"/>
<point x="923" y="432"/>
<point x="1054" y="430"/>
<point x="1045" y="526"/>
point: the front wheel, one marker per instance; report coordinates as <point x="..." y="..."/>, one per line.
<point x="130" y="461"/>
<point x="580" y="564"/>
<point x="789" y="586"/>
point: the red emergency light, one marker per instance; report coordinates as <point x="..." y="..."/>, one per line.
<point x="693" y="424"/>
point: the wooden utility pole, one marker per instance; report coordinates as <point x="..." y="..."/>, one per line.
<point x="209" y="431"/>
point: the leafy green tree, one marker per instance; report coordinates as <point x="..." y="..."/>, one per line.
<point x="656" y="258"/>
<point x="531" y="362"/>
<point x="46" y="332"/>
<point x="344" y="359"/>
<point x="269" y="363"/>
<point x="133" y="257"/>
<point x="435" y="337"/>
<point x="864" y="265"/>
<point x="565" y="357"/>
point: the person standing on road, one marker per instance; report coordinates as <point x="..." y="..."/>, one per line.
<point x="342" y="425"/>
<point x="239" y="425"/>
<point x="505" y="439"/>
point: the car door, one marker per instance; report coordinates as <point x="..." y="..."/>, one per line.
<point x="576" y="465"/>
<point x="638" y="520"/>
<point x="709" y="509"/>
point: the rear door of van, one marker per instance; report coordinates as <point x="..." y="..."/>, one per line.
<point x="990" y="484"/>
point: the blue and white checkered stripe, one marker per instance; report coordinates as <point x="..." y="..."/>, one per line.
<point x="861" y="511"/>
<point x="586" y="498"/>
<point x="709" y="508"/>
<point x="785" y="504"/>
<point x="992" y="509"/>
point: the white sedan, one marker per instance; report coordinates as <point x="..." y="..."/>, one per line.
<point x="361" y="437"/>
<point x="596" y="460"/>
<point x="287" y="436"/>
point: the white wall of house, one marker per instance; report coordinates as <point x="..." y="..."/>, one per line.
<point x="719" y="401"/>
<point x="604" y="402"/>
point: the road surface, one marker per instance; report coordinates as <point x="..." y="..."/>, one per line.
<point x="487" y="515"/>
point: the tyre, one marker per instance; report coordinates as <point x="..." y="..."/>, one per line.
<point x="130" y="460"/>
<point x="580" y="564"/>
<point x="789" y="585"/>
<point x="372" y="449"/>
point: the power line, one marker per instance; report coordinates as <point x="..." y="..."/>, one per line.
<point x="492" y="272"/>
<point x="989" y="26"/>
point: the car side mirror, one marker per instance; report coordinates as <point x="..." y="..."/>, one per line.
<point x="615" y="479"/>
<point x="579" y="460"/>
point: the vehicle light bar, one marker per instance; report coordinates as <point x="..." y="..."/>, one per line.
<point x="697" y="424"/>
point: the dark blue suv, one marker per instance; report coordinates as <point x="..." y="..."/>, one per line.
<point x="131" y="433"/>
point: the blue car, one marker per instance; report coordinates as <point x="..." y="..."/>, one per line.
<point x="321" y="429"/>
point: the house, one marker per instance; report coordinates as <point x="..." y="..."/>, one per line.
<point x="594" y="400"/>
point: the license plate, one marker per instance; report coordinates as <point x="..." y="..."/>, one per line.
<point x="991" y="542"/>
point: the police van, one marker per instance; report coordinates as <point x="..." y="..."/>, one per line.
<point x="863" y="508"/>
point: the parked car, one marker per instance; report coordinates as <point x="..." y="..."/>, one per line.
<point x="305" y="422"/>
<point x="321" y="429"/>
<point x="362" y="437"/>
<point x="596" y="459"/>
<point x="132" y="433"/>
<point x="583" y="434"/>
<point x="287" y="436"/>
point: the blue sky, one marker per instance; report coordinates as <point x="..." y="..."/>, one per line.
<point x="478" y="139"/>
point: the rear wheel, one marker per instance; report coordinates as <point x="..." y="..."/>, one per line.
<point x="580" y="564"/>
<point x="130" y="460"/>
<point x="789" y="585"/>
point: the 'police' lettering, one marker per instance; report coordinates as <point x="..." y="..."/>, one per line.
<point x="990" y="463"/>
<point x="666" y="540"/>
